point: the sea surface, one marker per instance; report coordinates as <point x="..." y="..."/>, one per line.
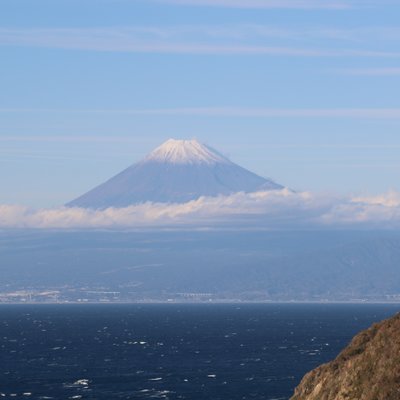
<point x="171" y="351"/>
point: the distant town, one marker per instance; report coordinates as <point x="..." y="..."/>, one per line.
<point x="71" y="294"/>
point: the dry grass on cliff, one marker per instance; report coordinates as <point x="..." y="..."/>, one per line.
<point x="367" y="369"/>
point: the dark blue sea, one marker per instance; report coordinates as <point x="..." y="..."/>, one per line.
<point x="171" y="351"/>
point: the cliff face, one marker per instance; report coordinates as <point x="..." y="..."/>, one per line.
<point x="368" y="369"/>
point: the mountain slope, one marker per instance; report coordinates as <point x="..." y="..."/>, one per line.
<point x="177" y="171"/>
<point x="368" y="369"/>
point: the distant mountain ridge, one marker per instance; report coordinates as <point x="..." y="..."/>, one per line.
<point x="175" y="172"/>
<point x="230" y="265"/>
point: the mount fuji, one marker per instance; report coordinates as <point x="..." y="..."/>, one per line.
<point x="175" y="172"/>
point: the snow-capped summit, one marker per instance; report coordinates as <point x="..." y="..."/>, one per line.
<point x="185" y="152"/>
<point x="175" y="172"/>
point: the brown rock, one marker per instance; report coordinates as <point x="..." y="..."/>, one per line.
<point x="367" y="369"/>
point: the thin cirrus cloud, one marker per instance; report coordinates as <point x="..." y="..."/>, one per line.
<point x="371" y="71"/>
<point x="130" y="139"/>
<point x="196" y="40"/>
<point x="261" y="210"/>
<point x="234" y="112"/>
<point x="69" y="138"/>
<point x="201" y="32"/>
<point x="374" y="113"/>
<point x="271" y="4"/>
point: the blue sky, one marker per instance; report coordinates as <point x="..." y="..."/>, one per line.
<point x="305" y="92"/>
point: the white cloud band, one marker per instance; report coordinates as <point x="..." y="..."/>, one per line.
<point x="272" y="209"/>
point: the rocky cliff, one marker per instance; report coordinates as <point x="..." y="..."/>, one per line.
<point x="368" y="369"/>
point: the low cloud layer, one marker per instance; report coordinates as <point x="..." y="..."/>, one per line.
<point x="263" y="210"/>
